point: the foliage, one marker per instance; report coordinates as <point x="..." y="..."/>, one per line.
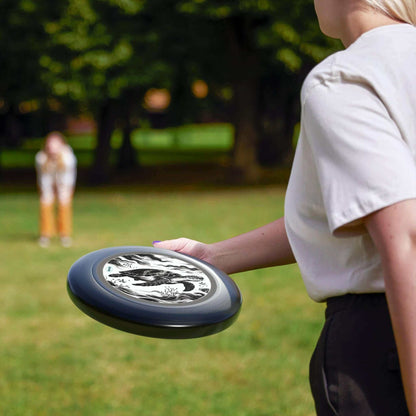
<point x="270" y="46"/>
<point x="22" y="39"/>
<point x="101" y="56"/>
<point x="100" y="49"/>
<point x="89" y="50"/>
<point x="287" y="31"/>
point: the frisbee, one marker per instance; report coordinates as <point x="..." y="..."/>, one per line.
<point x="154" y="292"/>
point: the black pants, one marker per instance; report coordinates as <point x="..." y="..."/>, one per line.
<point x="354" y="370"/>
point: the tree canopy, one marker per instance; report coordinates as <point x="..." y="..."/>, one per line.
<point x="101" y="56"/>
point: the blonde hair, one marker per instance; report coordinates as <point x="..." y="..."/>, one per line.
<point x="402" y="10"/>
<point x="56" y="135"/>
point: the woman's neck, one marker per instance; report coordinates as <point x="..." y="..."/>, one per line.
<point x="359" y="21"/>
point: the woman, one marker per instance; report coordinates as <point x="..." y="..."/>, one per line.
<point x="350" y="211"/>
<point x="56" y="174"/>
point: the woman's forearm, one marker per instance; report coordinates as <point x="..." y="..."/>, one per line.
<point x="263" y="247"/>
<point x="401" y="296"/>
<point x="393" y="231"/>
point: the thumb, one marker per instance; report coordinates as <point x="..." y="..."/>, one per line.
<point x="177" y="244"/>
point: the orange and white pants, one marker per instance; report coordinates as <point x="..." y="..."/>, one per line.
<point x="51" y="223"/>
<point x="56" y="185"/>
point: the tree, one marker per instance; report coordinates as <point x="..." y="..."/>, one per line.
<point x="22" y="39"/>
<point x="107" y="53"/>
<point x="270" y="45"/>
<point x="101" y="56"/>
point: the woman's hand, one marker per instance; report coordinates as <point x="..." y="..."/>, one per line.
<point x="187" y="246"/>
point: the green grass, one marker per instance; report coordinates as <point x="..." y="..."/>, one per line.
<point x="57" y="361"/>
<point x="185" y="144"/>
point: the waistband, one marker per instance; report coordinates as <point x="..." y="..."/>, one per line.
<point x="356" y="301"/>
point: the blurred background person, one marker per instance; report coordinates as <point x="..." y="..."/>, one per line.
<point x="56" y="176"/>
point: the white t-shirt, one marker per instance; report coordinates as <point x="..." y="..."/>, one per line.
<point x="56" y="177"/>
<point x="356" y="154"/>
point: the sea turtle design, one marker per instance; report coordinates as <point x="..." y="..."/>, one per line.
<point x="152" y="277"/>
<point x="157" y="278"/>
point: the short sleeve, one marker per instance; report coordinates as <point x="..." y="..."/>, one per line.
<point x="40" y="159"/>
<point x="68" y="158"/>
<point x="363" y="162"/>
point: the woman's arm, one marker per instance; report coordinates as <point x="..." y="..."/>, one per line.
<point x="393" y="230"/>
<point x="263" y="247"/>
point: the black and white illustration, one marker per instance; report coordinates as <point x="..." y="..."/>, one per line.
<point x="157" y="278"/>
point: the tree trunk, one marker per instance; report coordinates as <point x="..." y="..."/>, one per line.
<point x="100" y="172"/>
<point x="246" y="131"/>
<point x="127" y="153"/>
<point x="245" y="69"/>
<point x="13" y="128"/>
<point x="279" y="115"/>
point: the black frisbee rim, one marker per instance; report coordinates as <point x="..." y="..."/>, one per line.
<point x="207" y="316"/>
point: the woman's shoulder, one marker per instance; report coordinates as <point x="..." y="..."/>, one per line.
<point x="378" y="56"/>
<point x="321" y="74"/>
<point x="345" y="65"/>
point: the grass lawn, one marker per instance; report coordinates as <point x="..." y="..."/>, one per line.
<point x="174" y="145"/>
<point x="57" y="361"/>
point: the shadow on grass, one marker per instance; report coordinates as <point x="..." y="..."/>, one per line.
<point x="19" y="237"/>
<point x="161" y="178"/>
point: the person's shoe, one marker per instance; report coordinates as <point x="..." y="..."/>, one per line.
<point x="44" y="241"/>
<point x="66" y="241"/>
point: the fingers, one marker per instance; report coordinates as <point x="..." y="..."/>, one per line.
<point x="186" y="246"/>
<point x="177" y="244"/>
